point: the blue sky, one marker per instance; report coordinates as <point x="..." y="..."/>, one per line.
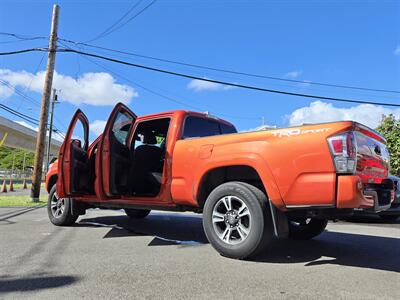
<point x="343" y="42"/>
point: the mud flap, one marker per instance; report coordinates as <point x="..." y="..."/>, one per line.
<point x="279" y="221"/>
<point x="77" y="208"/>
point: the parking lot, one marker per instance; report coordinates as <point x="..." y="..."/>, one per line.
<point x="166" y="255"/>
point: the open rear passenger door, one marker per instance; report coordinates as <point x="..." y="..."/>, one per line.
<point x="115" y="154"/>
<point x="73" y="161"/>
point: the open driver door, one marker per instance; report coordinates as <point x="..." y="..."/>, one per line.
<point x="73" y="161"/>
<point x="115" y="159"/>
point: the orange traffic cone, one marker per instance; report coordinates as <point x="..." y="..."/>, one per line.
<point x="12" y="185"/>
<point x="4" y="187"/>
<point x="25" y="186"/>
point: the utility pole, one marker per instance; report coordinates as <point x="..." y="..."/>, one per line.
<point x="53" y="101"/>
<point x="44" y="113"/>
<point x="23" y="164"/>
<point x="13" y="165"/>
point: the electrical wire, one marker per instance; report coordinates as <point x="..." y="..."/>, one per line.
<point x="19" y="92"/>
<point x="102" y="34"/>
<point x="232" y="71"/>
<point x="23" y="37"/>
<point x="126" y="22"/>
<point x="135" y="83"/>
<point x="19" y="114"/>
<point x="24" y="51"/>
<point x="226" y="83"/>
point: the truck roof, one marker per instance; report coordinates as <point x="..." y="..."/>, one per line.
<point x="184" y="112"/>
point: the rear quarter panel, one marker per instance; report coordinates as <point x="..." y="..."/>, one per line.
<point x="294" y="164"/>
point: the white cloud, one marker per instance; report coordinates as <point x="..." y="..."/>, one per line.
<point x="397" y="51"/>
<point x="293" y="74"/>
<point x="5" y="91"/>
<point x="200" y="85"/>
<point x="319" y="111"/>
<point x="90" y="88"/>
<point x="97" y="127"/>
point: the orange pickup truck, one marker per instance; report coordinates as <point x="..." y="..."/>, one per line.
<point x="250" y="186"/>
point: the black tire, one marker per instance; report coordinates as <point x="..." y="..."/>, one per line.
<point x="389" y="218"/>
<point x="65" y="218"/>
<point x="259" y="221"/>
<point x="137" y="213"/>
<point x="306" y="229"/>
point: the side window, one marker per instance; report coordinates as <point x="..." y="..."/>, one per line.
<point x="121" y="127"/>
<point x="152" y="132"/>
<point x="78" y="135"/>
<point x="225" y="128"/>
<point x="200" y="127"/>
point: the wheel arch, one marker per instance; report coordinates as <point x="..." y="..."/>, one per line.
<point x="240" y="172"/>
<point x="52" y="181"/>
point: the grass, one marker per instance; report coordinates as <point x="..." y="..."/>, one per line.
<point x="21" y="201"/>
<point x="10" y="199"/>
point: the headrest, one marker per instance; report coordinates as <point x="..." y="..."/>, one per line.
<point x="149" y="138"/>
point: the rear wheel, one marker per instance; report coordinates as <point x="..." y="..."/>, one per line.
<point x="306" y="228"/>
<point x="59" y="209"/>
<point x="237" y="221"/>
<point x="137" y="213"/>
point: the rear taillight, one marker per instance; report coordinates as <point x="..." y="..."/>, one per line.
<point x="344" y="153"/>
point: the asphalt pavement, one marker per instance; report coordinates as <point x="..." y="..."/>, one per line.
<point x="166" y="256"/>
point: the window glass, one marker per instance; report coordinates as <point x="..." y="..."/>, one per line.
<point x="153" y="132"/>
<point x="225" y="128"/>
<point x="200" y="127"/>
<point x="78" y="134"/>
<point x="122" y="124"/>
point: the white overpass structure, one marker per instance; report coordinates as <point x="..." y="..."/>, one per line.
<point x="18" y="136"/>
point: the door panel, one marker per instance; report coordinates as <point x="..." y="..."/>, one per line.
<point x="116" y="157"/>
<point x="73" y="171"/>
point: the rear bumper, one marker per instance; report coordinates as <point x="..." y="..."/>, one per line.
<point x="351" y="193"/>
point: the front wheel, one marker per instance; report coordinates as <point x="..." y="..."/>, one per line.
<point x="306" y="228"/>
<point x="237" y="221"/>
<point x="137" y="213"/>
<point x="59" y="209"/>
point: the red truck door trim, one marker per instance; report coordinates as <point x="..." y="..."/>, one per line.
<point x="65" y="165"/>
<point x="110" y="156"/>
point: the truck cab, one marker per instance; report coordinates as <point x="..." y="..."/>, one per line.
<point x="131" y="162"/>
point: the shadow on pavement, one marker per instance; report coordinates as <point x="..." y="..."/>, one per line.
<point x="34" y="283"/>
<point x="371" y="220"/>
<point x="346" y="249"/>
<point x="167" y="229"/>
<point x="337" y="248"/>
<point x="17" y="212"/>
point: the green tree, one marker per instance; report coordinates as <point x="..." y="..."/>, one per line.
<point x="390" y="129"/>
<point x="7" y="156"/>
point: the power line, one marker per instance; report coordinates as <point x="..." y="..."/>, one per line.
<point x="167" y="97"/>
<point x="249" y="87"/>
<point x="23" y="37"/>
<point x="23" y="51"/>
<point x="126" y="22"/>
<point x="102" y="34"/>
<point x="19" y="114"/>
<point x="26" y="117"/>
<point x="19" y="92"/>
<point x="159" y="94"/>
<point x="232" y="71"/>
